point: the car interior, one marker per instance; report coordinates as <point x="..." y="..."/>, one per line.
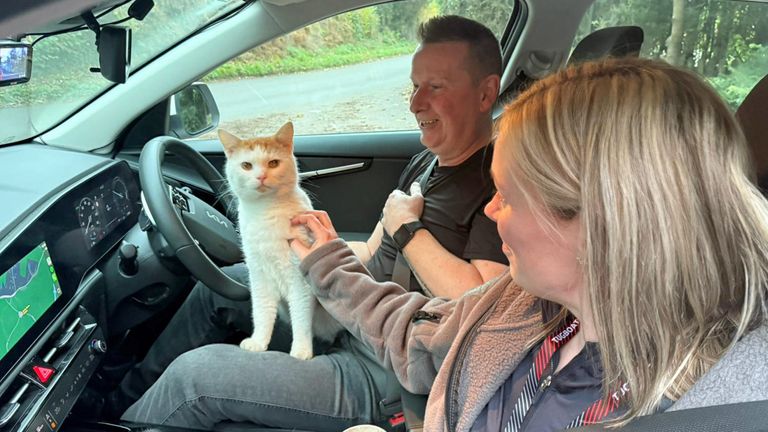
<point x="114" y="204"/>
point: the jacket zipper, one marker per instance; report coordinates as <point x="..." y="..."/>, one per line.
<point x="543" y="387"/>
<point x="450" y="401"/>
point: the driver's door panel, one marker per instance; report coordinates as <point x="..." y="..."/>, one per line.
<point x="352" y="174"/>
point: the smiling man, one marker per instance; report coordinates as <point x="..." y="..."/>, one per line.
<point x="433" y="237"/>
<point x="455" y="74"/>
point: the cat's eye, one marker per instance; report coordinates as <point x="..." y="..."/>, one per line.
<point x="273" y="163"/>
<point x="246" y="165"/>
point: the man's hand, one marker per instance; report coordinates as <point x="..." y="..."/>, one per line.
<point x="401" y="208"/>
<point x="319" y="225"/>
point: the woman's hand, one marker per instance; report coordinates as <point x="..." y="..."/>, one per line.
<point x="320" y="227"/>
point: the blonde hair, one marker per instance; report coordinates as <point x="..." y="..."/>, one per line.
<point x="675" y="253"/>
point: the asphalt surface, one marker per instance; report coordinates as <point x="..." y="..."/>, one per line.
<point x="361" y="97"/>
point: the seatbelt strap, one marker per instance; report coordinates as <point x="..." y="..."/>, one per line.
<point x="401" y="273"/>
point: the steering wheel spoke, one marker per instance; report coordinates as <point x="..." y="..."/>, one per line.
<point x="190" y="225"/>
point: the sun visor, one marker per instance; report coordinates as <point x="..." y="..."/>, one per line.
<point x="29" y="17"/>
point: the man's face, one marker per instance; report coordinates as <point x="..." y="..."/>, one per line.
<point x="446" y="99"/>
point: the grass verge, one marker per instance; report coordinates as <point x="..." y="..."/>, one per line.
<point x="300" y="60"/>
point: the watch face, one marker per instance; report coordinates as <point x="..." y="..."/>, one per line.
<point x="401" y="236"/>
<point x="405" y="233"/>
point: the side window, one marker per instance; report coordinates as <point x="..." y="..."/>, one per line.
<point x="725" y="41"/>
<point x="348" y="73"/>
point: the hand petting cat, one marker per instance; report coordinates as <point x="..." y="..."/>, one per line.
<point x="402" y="208"/>
<point x="320" y="227"/>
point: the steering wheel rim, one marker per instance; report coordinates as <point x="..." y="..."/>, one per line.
<point x="169" y="222"/>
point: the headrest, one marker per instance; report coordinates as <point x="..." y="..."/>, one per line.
<point x="608" y="42"/>
<point x="753" y="116"/>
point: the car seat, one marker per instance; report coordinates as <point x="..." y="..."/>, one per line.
<point x="753" y="116"/>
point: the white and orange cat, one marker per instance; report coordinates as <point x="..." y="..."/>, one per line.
<point x="263" y="176"/>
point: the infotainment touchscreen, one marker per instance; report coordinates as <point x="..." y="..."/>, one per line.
<point x="27" y="290"/>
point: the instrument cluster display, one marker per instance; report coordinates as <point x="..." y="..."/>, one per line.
<point x="102" y="209"/>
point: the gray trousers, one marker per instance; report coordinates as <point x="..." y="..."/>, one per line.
<point x="221" y="383"/>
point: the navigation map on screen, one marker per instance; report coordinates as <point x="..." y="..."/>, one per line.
<point x="27" y="290"/>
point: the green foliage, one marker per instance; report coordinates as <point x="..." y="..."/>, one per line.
<point x="61" y="67"/>
<point x="722" y="40"/>
<point x="362" y="35"/>
<point x="298" y="59"/>
<point x="195" y="116"/>
<point x="493" y="13"/>
<point x="402" y="18"/>
<point x="358" y="36"/>
<point x="735" y="86"/>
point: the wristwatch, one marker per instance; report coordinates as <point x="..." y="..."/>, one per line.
<point x="405" y="233"/>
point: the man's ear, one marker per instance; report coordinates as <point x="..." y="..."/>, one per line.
<point x="489" y="92"/>
<point x="229" y="141"/>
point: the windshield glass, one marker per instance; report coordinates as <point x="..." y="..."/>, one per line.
<point x="62" y="80"/>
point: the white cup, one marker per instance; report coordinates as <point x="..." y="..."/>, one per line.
<point x="364" y="428"/>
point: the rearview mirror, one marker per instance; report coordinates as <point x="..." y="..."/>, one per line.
<point x="15" y="63"/>
<point x="193" y="111"/>
<point x="114" y="46"/>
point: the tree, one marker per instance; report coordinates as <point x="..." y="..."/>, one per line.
<point x="493" y="13"/>
<point x="675" y="43"/>
<point x="401" y="18"/>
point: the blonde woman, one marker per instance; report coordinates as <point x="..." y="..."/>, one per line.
<point x="624" y="196"/>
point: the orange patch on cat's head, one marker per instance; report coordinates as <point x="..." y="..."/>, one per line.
<point x="283" y="139"/>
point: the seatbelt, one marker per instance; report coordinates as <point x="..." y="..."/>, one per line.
<point x="401" y="273"/>
<point x="391" y="406"/>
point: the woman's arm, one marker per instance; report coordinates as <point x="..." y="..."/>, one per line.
<point x="409" y="332"/>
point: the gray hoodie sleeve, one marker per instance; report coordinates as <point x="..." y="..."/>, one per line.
<point x="409" y="332"/>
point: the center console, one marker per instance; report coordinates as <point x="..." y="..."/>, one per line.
<point x="52" y="314"/>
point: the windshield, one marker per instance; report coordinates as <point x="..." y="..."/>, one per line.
<point x="62" y="81"/>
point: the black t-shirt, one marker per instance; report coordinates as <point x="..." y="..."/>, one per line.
<point x="454" y="199"/>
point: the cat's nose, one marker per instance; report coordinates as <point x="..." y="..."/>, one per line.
<point x="262" y="178"/>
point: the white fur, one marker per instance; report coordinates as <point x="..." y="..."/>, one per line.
<point x="273" y="268"/>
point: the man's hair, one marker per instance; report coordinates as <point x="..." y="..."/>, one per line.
<point x="651" y="163"/>
<point x="484" y="51"/>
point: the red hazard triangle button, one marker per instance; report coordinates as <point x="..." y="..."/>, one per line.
<point x="43" y="373"/>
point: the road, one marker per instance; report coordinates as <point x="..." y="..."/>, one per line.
<point x="366" y="96"/>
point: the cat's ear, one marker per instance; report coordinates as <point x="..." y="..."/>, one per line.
<point x="285" y="135"/>
<point x="229" y="141"/>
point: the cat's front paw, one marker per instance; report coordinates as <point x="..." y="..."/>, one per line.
<point x="250" y="344"/>
<point x="301" y="353"/>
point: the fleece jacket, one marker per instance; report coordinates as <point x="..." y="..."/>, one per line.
<point x="460" y="352"/>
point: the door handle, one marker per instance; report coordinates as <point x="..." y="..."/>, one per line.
<point x="332" y="170"/>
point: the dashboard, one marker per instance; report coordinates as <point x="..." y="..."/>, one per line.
<point x="62" y="213"/>
<point x="102" y="209"/>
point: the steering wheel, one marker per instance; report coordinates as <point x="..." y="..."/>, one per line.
<point x="194" y="230"/>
